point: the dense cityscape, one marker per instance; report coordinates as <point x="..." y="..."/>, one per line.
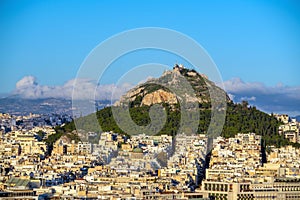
<point x="141" y="166"/>
<point x="140" y="100"/>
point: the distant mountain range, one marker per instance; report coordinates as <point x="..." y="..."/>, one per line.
<point x="16" y="105"/>
<point x="297" y="118"/>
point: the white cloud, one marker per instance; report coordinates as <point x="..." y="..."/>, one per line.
<point x="146" y="79"/>
<point x="27" y="81"/>
<point x="237" y="85"/>
<point x="252" y="98"/>
<point x="231" y="96"/>
<point x="28" y="87"/>
<point x="112" y="91"/>
<point x="279" y="98"/>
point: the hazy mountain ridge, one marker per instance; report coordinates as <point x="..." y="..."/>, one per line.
<point x="16" y="105"/>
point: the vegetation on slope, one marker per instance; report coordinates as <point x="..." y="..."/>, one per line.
<point x="63" y="130"/>
<point x="240" y="118"/>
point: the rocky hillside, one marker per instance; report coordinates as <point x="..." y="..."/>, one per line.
<point x="174" y="89"/>
<point x="175" y="86"/>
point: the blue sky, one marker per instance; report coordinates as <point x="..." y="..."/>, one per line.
<point x="256" y="41"/>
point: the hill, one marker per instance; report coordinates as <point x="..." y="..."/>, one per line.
<point x="176" y="86"/>
<point x="239" y="117"/>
